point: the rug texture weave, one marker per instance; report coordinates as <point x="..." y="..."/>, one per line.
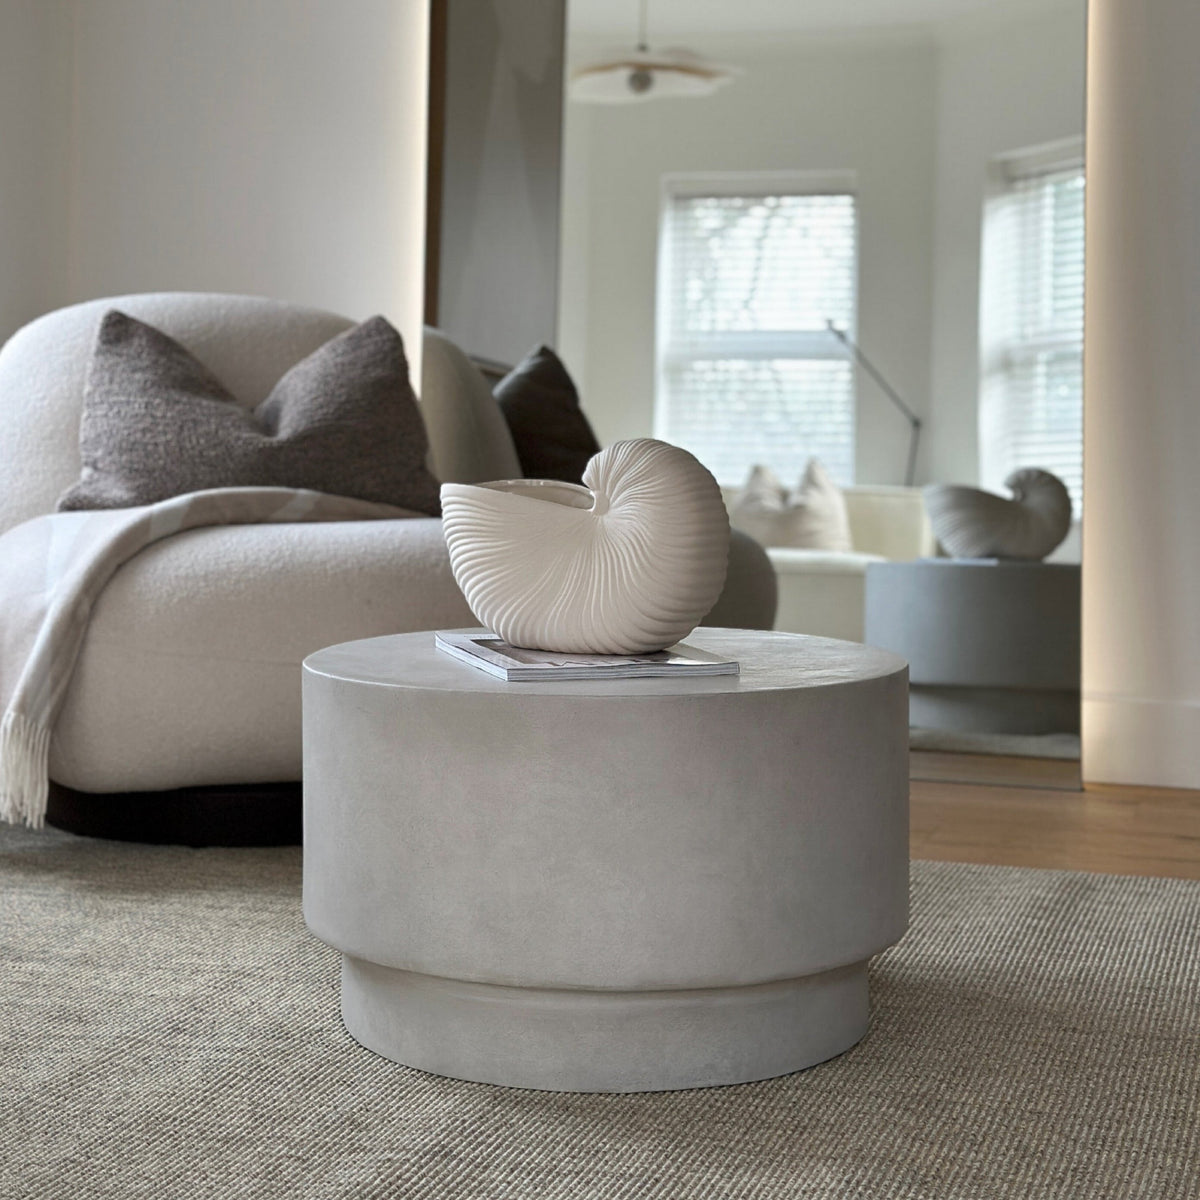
<point x="172" y="1031"/>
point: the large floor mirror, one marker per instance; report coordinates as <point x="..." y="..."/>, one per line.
<point x="825" y="221"/>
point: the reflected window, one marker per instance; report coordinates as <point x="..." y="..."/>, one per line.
<point x="751" y="270"/>
<point x="1031" y="318"/>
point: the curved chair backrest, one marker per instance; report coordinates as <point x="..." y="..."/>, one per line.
<point x="247" y="342"/>
<point x="468" y="435"/>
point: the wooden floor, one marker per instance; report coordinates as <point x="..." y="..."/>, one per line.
<point x="1115" y="830"/>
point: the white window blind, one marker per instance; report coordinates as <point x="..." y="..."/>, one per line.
<point x="747" y="369"/>
<point x="1031" y="322"/>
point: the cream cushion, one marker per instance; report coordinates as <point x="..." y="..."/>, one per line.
<point x="825" y="594"/>
<point x="757" y="507"/>
<point x="821" y="593"/>
<point x="190" y="674"/>
<point x="190" y="671"/>
<point x="890" y="521"/>
<point x="813" y="517"/>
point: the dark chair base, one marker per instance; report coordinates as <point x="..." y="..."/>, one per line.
<point x="254" y="814"/>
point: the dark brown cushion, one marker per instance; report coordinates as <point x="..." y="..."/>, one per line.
<point x="157" y="423"/>
<point x="540" y="404"/>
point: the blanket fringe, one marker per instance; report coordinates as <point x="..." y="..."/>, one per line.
<point x="24" y="770"/>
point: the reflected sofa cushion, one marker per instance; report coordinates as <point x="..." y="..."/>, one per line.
<point x="538" y="399"/>
<point x="813" y="517"/>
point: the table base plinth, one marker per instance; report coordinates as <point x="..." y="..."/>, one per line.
<point x="603" y="1041"/>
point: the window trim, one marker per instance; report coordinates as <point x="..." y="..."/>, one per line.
<point x="1005" y="172"/>
<point x="815" y="345"/>
<point x="1013" y="166"/>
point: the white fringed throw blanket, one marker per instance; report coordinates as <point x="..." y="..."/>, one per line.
<point x="53" y="568"/>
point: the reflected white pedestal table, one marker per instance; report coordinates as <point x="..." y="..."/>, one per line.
<point x="624" y="886"/>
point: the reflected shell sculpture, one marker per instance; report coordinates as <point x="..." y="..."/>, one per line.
<point x="628" y="563"/>
<point x="971" y="523"/>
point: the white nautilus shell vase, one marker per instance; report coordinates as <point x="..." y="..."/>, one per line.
<point x="975" y="524"/>
<point x="628" y="563"/>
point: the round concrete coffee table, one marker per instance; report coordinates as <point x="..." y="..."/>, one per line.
<point x="623" y="886"/>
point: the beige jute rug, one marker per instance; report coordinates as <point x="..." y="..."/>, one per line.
<point x="171" y="1030"/>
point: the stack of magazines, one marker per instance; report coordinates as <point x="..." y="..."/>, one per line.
<point x="489" y="652"/>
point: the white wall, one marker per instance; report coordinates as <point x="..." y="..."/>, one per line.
<point x="1141" y="564"/>
<point x="274" y="147"/>
<point x="35" y="103"/>
<point x="868" y="108"/>
<point x="1001" y="88"/>
<point x="574" y="251"/>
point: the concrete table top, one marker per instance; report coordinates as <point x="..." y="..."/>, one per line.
<point x="768" y="661"/>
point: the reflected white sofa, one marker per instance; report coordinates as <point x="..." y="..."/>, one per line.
<point x="190" y="671"/>
<point x="824" y="593"/>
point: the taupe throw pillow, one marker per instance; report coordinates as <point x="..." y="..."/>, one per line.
<point x="157" y="423"/>
<point x="539" y="401"/>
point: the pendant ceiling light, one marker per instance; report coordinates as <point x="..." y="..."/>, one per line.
<point x="645" y="74"/>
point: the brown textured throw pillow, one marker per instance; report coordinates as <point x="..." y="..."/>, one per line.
<point x="157" y="423"/>
<point x="540" y="404"/>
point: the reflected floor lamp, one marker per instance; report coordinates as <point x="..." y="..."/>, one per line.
<point x="890" y="392"/>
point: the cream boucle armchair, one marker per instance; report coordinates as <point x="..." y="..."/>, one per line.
<point x="189" y="677"/>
